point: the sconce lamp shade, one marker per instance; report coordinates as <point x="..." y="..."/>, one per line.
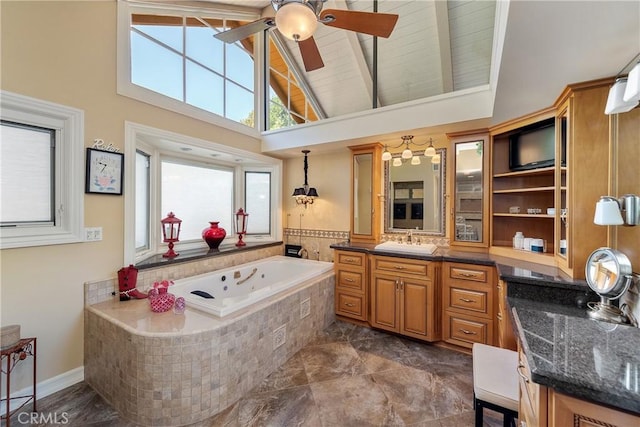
<point x="431" y="150"/>
<point x="386" y="155"/>
<point x="296" y="21"/>
<point x="415" y="160"/>
<point x="298" y="192"/>
<point x="632" y="91"/>
<point x="607" y="212"/>
<point x="397" y="161"/>
<point x="407" y="154"/>
<point x="312" y="192"/>
<point x="435" y="159"/>
<point x="615" y="102"/>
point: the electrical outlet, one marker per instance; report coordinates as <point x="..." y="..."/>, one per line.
<point x="93" y="234"/>
<point x="279" y="336"/>
<point x="305" y="308"/>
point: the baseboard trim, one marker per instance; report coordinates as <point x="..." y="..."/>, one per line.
<point x="52" y="385"/>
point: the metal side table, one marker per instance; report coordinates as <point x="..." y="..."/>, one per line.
<point x="13" y="355"/>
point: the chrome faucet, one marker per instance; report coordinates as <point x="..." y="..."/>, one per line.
<point x="409" y="234"/>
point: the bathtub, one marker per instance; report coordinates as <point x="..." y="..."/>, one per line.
<point x="224" y="292"/>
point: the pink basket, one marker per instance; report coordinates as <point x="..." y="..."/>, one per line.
<point x="161" y="302"/>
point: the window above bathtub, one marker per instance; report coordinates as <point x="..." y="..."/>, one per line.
<point x="199" y="181"/>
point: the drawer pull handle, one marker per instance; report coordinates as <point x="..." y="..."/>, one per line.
<point x="499" y="316"/>
<point x="350" y="280"/>
<point x="466" y="300"/>
<point x="399" y="267"/>
<point x="523" y="376"/>
<point x="349" y="260"/>
<point x="468" y="275"/>
<point x="466" y="332"/>
<point x="349" y="304"/>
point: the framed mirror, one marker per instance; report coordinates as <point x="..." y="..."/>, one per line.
<point x="468" y="191"/>
<point x="414" y="194"/>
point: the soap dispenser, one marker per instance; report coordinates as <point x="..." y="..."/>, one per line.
<point x="518" y="240"/>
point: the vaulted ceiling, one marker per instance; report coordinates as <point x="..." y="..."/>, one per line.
<point x="442" y="46"/>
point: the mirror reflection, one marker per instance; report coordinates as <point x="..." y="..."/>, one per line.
<point x="414" y="190"/>
<point x="468" y="191"/>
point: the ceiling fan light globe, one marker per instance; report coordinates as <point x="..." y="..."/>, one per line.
<point x="296" y="21"/>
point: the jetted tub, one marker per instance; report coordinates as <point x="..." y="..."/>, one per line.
<point x="223" y="292"/>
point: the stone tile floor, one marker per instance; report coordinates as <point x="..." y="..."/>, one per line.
<point x="348" y="376"/>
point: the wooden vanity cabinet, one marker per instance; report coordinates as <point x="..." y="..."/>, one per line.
<point x="404" y="297"/>
<point x="506" y="337"/>
<point x="468" y="301"/>
<point x="532" y="408"/>
<point x="351" y="284"/>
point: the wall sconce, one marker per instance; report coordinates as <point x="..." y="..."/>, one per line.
<point x="170" y="233"/>
<point x="305" y="195"/>
<point x="622" y="211"/>
<point x="241" y="226"/>
<point x="407" y="154"/>
<point x="624" y="95"/>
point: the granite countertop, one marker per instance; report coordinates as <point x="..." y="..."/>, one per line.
<point x="579" y="356"/>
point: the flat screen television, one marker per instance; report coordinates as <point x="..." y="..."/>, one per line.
<point x="533" y="147"/>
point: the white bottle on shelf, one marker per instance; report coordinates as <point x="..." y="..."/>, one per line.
<point x="518" y="240"/>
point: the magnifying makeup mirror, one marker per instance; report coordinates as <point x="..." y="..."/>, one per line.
<point x="609" y="274"/>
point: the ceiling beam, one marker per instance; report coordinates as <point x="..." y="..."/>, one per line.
<point x="444" y="40"/>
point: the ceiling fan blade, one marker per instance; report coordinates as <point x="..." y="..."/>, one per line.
<point x="244" y="31"/>
<point x="375" y="24"/>
<point x="310" y="54"/>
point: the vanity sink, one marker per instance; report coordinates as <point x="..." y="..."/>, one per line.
<point x="422" y="249"/>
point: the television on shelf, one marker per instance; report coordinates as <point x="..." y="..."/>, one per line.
<point x="533" y="147"/>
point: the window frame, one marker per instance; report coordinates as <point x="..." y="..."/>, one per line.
<point x="251" y="162"/>
<point x="68" y="124"/>
<point x="126" y="88"/>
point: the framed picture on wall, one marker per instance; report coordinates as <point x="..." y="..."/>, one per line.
<point x="105" y="172"/>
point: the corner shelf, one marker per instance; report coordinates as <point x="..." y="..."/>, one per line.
<point x="536" y="216"/>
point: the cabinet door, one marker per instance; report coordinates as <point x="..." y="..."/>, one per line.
<point x="366" y="184"/>
<point x="568" y="411"/>
<point x="414" y="307"/>
<point x="506" y="337"/>
<point x="384" y="302"/>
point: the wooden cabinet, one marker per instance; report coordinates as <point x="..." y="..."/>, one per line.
<point x="569" y="411"/>
<point x="351" y="284"/>
<point x="532" y="408"/>
<point x="366" y="187"/>
<point x="506" y="337"/>
<point x="468" y="301"/>
<point x="584" y="128"/>
<point x="404" y="297"/>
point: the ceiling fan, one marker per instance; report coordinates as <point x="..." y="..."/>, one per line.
<point x="298" y="19"/>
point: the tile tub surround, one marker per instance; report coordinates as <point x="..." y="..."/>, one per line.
<point x="578" y="356"/>
<point x="172" y="370"/>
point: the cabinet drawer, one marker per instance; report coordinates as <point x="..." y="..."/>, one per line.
<point x="468" y="300"/>
<point x="353" y="280"/>
<point x="473" y="273"/>
<point x="401" y="266"/>
<point x="354" y="259"/>
<point x="350" y="305"/>
<point x="466" y="330"/>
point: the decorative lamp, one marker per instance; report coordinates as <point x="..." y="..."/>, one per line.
<point x="397" y="161"/>
<point x="415" y="160"/>
<point x="241" y="226"/>
<point x="435" y="159"/>
<point x="615" y="102"/>
<point x="407" y="153"/>
<point x="386" y="155"/>
<point x="305" y="195"/>
<point x="170" y="233"/>
<point x="431" y="150"/>
<point x="607" y="212"/>
<point x="296" y="21"/>
<point x="632" y="91"/>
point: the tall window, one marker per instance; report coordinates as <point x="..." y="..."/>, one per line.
<point x="41" y="172"/>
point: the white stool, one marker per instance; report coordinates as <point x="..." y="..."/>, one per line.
<point x="495" y="382"/>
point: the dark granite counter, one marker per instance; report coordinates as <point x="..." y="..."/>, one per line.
<point x="578" y="356"/>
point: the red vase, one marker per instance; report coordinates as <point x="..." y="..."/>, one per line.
<point x="214" y="235"/>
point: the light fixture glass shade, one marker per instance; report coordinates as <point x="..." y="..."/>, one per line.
<point x="407" y="154"/>
<point x="632" y="91"/>
<point x="435" y="159"/>
<point x="430" y="151"/>
<point x="397" y="162"/>
<point x="615" y="101"/>
<point x="607" y="212"/>
<point x="415" y="160"/>
<point x="386" y="156"/>
<point x="296" y="21"/>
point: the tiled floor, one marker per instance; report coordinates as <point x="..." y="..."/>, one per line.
<point x="350" y="376"/>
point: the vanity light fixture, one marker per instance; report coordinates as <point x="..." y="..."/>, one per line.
<point x="622" y="211"/>
<point x="624" y="95"/>
<point x="407" y="154"/>
<point x="305" y="195"/>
